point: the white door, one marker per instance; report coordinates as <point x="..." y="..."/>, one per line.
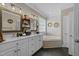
<point x="68" y="32"/>
<point x="71" y="33"/>
<point x="76" y="29"/>
<point x="65" y="31"/>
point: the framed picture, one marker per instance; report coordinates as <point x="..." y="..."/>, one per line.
<point x="33" y="24"/>
<point x="10" y="21"/>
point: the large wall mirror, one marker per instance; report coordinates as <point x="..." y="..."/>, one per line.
<point x="56" y="25"/>
<point x="10" y="21"/>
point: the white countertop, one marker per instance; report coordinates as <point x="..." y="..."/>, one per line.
<point x="10" y="39"/>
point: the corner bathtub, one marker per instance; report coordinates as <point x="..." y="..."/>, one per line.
<point x="52" y="42"/>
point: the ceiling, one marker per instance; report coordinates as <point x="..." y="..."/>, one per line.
<point x="50" y="9"/>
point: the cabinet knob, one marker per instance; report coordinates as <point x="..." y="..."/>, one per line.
<point x="32" y="50"/>
<point x="77" y="41"/>
<point x="32" y="44"/>
<point x="15" y="51"/>
<point x="18" y="49"/>
<point x="16" y="43"/>
<point x="39" y="40"/>
<point x="70" y="35"/>
<point x="32" y="39"/>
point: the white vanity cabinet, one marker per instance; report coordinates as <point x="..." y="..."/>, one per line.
<point x="8" y="49"/>
<point x="16" y="48"/>
<point x="22" y="46"/>
<point x="35" y="43"/>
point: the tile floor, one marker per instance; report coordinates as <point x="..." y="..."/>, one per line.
<point x="52" y="52"/>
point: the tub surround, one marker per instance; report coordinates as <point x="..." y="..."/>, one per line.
<point x="52" y="41"/>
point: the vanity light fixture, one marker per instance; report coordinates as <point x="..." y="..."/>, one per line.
<point x="3" y="4"/>
<point x="20" y="10"/>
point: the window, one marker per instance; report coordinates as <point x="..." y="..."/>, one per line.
<point x="42" y="25"/>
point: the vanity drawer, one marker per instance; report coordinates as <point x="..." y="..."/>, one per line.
<point x="8" y="45"/>
<point x="9" y="52"/>
<point x="31" y="40"/>
<point x="22" y="42"/>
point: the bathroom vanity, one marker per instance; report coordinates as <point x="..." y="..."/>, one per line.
<point x="12" y="22"/>
<point x="21" y="46"/>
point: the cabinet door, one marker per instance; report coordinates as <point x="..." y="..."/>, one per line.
<point x="22" y="51"/>
<point x="10" y="52"/>
<point x="23" y="47"/>
<point x="37" y="42"/>
<point x="40" y="41"/>
<point x="32" y="46"/>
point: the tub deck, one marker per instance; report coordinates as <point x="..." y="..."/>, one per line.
<point x="52" y="42"/>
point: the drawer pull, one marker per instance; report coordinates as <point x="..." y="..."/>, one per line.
<point x="18" y="49"/>
<point x="32" y="39"/>
<point x="15" y="51"/>
<point x="16" y="43"/>
<point x="32" y="50"/>
<point x="32" y="44"/>
<point x="77" y="41"/>
<point x="39" y="40"/>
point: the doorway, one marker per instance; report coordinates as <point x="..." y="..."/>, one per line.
<point x="68" y="29"/>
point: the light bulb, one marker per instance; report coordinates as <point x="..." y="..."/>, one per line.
<point x="3" y="4"/>
<point x="13" y="8"/>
